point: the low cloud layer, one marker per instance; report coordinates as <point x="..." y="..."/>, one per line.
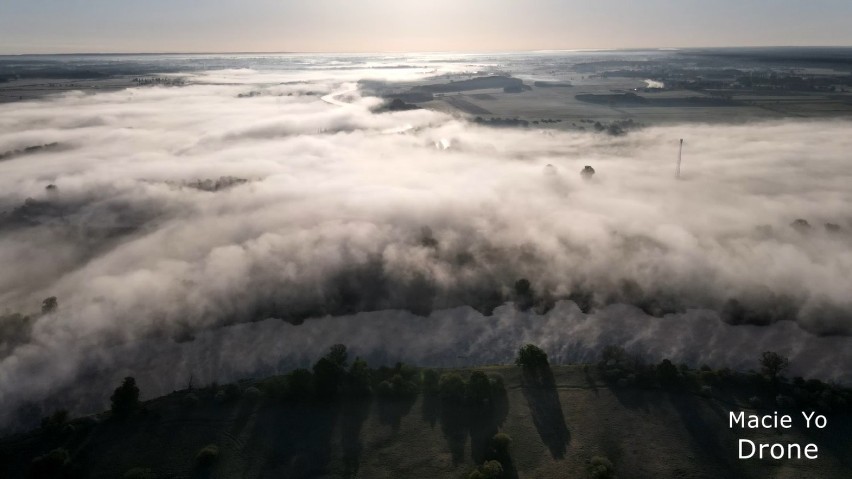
<point x="345" y="210"/>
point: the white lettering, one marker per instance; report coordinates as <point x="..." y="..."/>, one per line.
<point x="742" y="442"/>
<point x="735" y="419"/>
<point x="819" y="421"/>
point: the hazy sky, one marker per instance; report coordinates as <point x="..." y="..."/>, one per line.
<point x="41" y="26"/>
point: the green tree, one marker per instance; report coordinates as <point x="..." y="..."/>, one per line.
<point x="479" y="388"/>
<point x="338" y="355"/>
<point x="359" y="378"/>
<point x="531" y="357"/>
<point x="125" y="398"/>
<point x="452" y="388"/>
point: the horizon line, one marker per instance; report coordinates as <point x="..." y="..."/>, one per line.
<point x="329" y="52"/>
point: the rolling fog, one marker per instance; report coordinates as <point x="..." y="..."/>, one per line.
<point x="182" y="219"/>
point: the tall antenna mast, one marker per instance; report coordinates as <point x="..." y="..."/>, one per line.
<point x="679" y="158"/>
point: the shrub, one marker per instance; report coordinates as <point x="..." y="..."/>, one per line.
<point x="125" y="398"/>
<point x="139" y="473"/>
<point x="601" y="468"/>
<point x="452" y="388"/>
<point x="397" y="387"/>
<point x="207" y="455"/>
<point x="488" y="470"/>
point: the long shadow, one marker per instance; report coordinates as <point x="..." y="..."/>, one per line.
<point x="543" y="399"/>
<point x="836" y="437"/>
<point x="707" y="436"/>
<point x="485" y="422"/>
<point x="631" y="397"/>
<point x="430" y="409"/>
<point x="298" y="438"/>
<point x="391" y="410"/>
<point x="353" y="413"/>
<point x="590" y="380"/>
<point x="454" y="424"/>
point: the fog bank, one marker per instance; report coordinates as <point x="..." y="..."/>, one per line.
<point x="177" y="211"/>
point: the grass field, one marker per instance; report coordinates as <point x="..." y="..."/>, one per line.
<point x="555" y="431"/>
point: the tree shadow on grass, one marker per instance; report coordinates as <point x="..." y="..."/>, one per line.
<point x="707" y="434"/>
<point x="454" y="424"/>
<point x="484" y="422"/>
<point x="431" y="409"/>
<point x="353" y="413"/>
<point x="391" y="410"/>
<point x="298" y="437"/>
<point x="543" y="399"/>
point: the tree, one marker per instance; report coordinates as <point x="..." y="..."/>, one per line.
<point x="359" y="378"/>
<point x="338" y="355"/>
<point x="479" y="388"/>
<point x="125" y="399"/>
<point x="49" y="305"/>
<point x="327" y="377"/>
<point x="452" y="388"/>
<point x="772" y="364"/>
<point x="531" y="357"/>
<point x="667" y="372"/>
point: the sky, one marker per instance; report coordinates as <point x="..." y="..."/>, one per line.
<point x="123" y="26"/>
